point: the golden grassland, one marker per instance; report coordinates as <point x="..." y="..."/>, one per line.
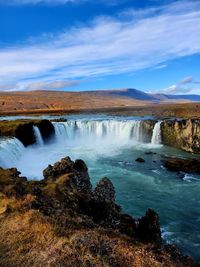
<point x="58" y="103"/>
<point x="44" y="101"/>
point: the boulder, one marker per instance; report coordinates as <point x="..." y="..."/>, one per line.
<point x="141" y="160"/>
<point x="182" y="165"/>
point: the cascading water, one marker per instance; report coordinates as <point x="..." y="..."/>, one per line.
<point x="112" y="129"/>
<point x="11" y="150"/>
<point x="156" y="136"/>
<point x="38" y="136"/>
<point x="110" y="147"/>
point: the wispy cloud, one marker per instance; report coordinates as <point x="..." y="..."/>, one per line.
<point x="107" y="46"/>
<point x="35" y="2"/>
<point x="185" y="86"/>
<point x="58" y="2"/>
<point x="39" y="85"/>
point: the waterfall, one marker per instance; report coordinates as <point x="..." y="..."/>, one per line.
<point x="112" y="129"/>
<point x="156" y="136"/>
<point x="38" y="136"/>
<point x="11" y="150"/>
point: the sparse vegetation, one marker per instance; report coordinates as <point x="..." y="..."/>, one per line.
<point x="59" y="221"/>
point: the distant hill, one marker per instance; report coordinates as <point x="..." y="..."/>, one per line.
<point x="163" y="97"/>
<point x="58" y="101"/>
<point x="142" y="96"/>
<point x="128" y="92"/>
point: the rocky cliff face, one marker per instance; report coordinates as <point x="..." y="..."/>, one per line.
<point x="62" y="221"/>
<point x="182" y="134"/>
<point x="147" y="130"/>
<point x="23" y="130"/>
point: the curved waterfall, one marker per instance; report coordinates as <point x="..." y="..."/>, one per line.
<point x="11" y="150"/>
<point x="118" y="130"/>
<point x="38" y="136"/>
<point x="156" y="136"/>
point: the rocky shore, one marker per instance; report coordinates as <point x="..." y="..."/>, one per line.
<point x="62" y="221"/>
<point x="182" y="165"/>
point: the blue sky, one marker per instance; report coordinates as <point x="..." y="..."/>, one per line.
<point x="151" y="45"/>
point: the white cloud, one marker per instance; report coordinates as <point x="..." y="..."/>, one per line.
<point x="186" y="80"/>
<point x="107" y="46"/>
<point x="185" y="86"/>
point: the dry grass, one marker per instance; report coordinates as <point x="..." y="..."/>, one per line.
<point x="48" y="102"/>
<point x="29" y="239"/>
<point x="44" y="226"/>
<point x="57" y="101"/>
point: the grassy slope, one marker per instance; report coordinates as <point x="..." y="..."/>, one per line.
<point x="56" y="235"/>
<point x="46" y="101"/>
<point x="43" y="102"/>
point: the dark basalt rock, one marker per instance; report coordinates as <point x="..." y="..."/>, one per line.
<point x="148" y="228"/>
<point x="65" y="200"/>
<point x="47" y="130"/>
<point x="80" y="166"/>
<point x="78" y="177"/>
<point x="150" y="153"/>
<point x="25" y="134"/>
<point x="182" y="165"/>
<point x="105" y="191"/>
<point x="127" y="225"/>
<point x="64" y="166"/>
<point x="66" y="188"/>
<point x="141" y="160"/>
<point x="147" y="130"/>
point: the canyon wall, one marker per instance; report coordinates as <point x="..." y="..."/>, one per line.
<point x="23" y="130"/>
<point x="182" y="134"/>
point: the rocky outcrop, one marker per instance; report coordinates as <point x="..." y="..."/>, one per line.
<point x="60" y="220"/>
<point x="47" y="130"/>
<point x="149" y="227"/>
<point x="105" y="191"/>
<point x="182" y="165"/>
<point x="182" y="134"/>
<point x="23" y="130"/>
<point x="76" y="172"/>
<point x="147" y="130"/>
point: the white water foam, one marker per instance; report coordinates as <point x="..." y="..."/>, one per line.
<point x="156" y="136"/>
<point x="119" y="131"/>
<point x="11" y="149"/>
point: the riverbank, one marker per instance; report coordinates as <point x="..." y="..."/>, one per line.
<point x="62" y="219"/>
